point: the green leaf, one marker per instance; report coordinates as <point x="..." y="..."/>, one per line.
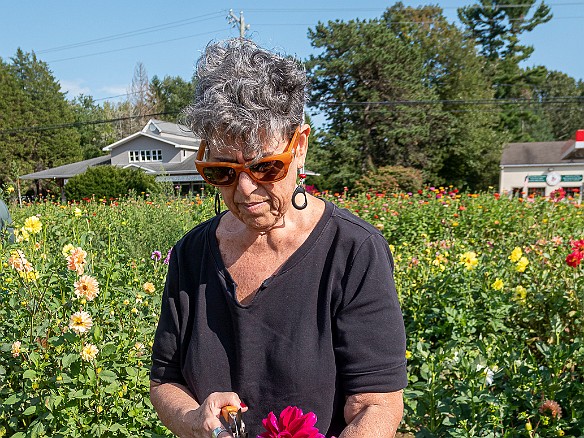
<point x="108" y="376"/>
<point x="69" y="359"/>
<point x="29" y="374"/>
<point x="107" y="350"/>
<point x="12" y="399"/>
<point x="30" y="410"/>
<point x="132" y="372"/>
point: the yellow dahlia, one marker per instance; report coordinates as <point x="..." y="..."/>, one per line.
<point x="516" y="254"/>
<point x="76" y="260"/>
<point x="148" y="288"/>
<point x="33" y="225"/>
<point x="86" y="287"/>
<point x="66" y="251"/>
<point x="89" y="352"/>
<point x="80" y="322"/>
<point x="16" y="349"/>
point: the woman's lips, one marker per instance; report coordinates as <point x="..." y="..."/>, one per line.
<point x="252" y="207"/>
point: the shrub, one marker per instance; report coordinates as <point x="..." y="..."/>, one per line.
<point x="108" y="182"/>
<point x="391" y="179"/>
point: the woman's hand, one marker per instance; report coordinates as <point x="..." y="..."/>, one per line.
<point x="205" y="418"/>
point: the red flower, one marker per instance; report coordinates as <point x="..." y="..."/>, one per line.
<point x="577" y="245"/>
<point x="293" y="423"/>
<point x="573" y="259"/>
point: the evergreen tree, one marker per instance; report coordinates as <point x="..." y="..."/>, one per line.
<point x="456" y="72"/>
<point x="562" y="104"/>
<point x="496" y="26"/>
<point x="364" y="80"/>
<point x="94" y="136"/>
<point x="170" y="96"/>
<point x="44" y="105"/>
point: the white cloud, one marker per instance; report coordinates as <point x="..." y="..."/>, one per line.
<point x="113" y="90"/>
<point x="74" y="88"/>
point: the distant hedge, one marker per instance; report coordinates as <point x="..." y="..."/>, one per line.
<point x="391" y="179"/>
<point x="108" y="182"/>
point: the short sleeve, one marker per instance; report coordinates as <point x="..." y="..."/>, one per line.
<point x="166" y="356"/>
<point x="370" y="337"/>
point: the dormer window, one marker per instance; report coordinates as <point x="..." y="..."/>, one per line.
<point x="145" y="155"/>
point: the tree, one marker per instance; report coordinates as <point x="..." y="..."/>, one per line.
<point x="456" y="72"/>
<point x="170" y="96"/>
<point x="94" y="136"/>
<point x="43" y="105"/>
<point x="139" y="98"/>
<point x="496" y="26"/>
<point x="12" y="115"/>
<point x="558" y="95"/>
<point x="364" y="81"/>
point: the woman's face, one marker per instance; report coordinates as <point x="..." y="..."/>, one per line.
<point x="262" y="206"/>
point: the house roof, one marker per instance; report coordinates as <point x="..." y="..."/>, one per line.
<point x="177" y="135"/>
<point x="187" y="166"/>
<point x="536" y="153"/>
<point x="68" y="170"/>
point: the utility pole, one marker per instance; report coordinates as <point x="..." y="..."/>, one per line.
<point x="235" y="21"/>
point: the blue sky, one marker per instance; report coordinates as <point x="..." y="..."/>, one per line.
<point x="93" y="47"/>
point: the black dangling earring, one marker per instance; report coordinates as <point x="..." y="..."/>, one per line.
<point x="217" y="204"/>
<point x="299" y="190"/>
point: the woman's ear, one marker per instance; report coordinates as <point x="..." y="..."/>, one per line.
<point x="303" y="143"/>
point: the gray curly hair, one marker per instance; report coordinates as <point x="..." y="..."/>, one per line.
<point x="245" y="96"/>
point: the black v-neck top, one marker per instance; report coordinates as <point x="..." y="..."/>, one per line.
<point x="326" y="325"/>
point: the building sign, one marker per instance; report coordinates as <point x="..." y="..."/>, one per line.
<point x="536" y="178"/>
<point x="564" y="178"/>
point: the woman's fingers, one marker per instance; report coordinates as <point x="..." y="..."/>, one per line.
<point x="210" y="412"/>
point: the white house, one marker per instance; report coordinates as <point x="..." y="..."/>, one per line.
<point x="163" y="149"/>
<point x="539" y="168"/>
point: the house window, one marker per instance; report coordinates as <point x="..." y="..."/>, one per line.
<point x="532" y="192"/>
<point x="145" y="155"/>
<point x="574" y="192"/>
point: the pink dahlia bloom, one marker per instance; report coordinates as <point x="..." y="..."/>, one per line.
<point x="293" y="423"/>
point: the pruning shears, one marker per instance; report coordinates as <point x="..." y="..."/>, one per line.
<point x="232" y="415"/>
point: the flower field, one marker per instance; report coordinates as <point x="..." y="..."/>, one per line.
<point x="492" y="292"/>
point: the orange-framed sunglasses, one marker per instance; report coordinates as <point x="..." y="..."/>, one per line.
<point x="269" y="169"/>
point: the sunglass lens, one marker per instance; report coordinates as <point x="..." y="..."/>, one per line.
<point x="220" y="176"/>
<point x="269" y="170"/>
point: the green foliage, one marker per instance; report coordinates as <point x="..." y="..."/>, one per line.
<point x="361" y="66"/>
<point x="43" y="105"/>
<point x="47" y="387"/>
<point x="171" y="94"/>
<point x="108" y="182"/>
<point x="389" y="179"/>
<point x="495" y="325"/>
<point x="94" y="136"/>
<point x="497" y="29"/>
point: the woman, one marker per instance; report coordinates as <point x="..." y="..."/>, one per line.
<point x="284" y="299"/>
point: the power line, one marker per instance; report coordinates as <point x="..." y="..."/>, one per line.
<point x="480" y="103"/>
<point x="79" y="124"/>
<point x="135" y="32"/>
<point x="134" y="47"/>
<point x="288" y="10"/>
<point x="423" y="102"/>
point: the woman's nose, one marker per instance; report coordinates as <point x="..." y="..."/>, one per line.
<point x="245" y="184"/>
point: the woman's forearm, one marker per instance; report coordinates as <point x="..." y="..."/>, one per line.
<point x="174" y="405"/>
<point x="373" y="415"/>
